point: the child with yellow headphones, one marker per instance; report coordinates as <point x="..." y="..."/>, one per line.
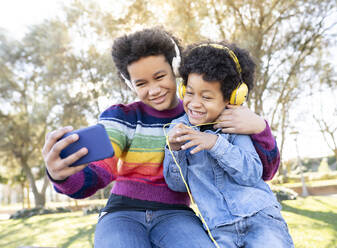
<point x="222" y="171"/>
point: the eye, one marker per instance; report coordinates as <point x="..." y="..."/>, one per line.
<point x="189" y="93"/>
<point x="160" y="76"/>
<point x="140" y="84"/>
<point x="207" y="98"/>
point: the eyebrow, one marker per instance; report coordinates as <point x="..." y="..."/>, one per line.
<point x="158" y="72"/>
<point x="203" y="91"/>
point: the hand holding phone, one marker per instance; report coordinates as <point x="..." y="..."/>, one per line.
<point x="95" y="139"/>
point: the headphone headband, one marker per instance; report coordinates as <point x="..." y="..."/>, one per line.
<point x="128" y="83"/>
<point x="229" y="51"/>
<point x="176" y="59"/>
<point x="239" y="94"/>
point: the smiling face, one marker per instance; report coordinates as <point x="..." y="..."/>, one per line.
<point x="203" y="101"/>
<point x="154" y="82"/>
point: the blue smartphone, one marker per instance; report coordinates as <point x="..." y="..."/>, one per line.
<point x="95" y="139"/>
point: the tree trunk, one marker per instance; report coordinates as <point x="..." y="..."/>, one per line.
<point x="39" y="197"/>
<point x="28" y="198"/>
<point x="23" y="194"/>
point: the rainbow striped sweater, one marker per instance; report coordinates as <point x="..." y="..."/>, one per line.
<point x="136" y="133"/>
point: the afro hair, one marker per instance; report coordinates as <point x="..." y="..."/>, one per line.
<point x="148" y="42"/>
<point x="215" y="64"/>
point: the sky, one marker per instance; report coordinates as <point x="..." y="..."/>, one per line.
<point x="17" y="15"/>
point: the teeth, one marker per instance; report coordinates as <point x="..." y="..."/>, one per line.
<point x="196" y="113"/>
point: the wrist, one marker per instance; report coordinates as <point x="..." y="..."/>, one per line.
<point x="55" y="180"/>
<point x="214" y="139"/>
<point x="261" y="125"/>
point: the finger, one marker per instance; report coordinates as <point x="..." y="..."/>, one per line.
<point x="53" y="137"/>
<point x="226" y="111"/>
<point x="188" y="130"/>
<point x="190" y="144"/>
<point x="223" y="124"/>
<point x="229" y="106"/>
<point x="74" y="157"/>
<point x="225" y="117"/>
<point x="68" y="171"/>
<point x="63" y="143"/>
<point x="228" y="130"/>
<point x="77" y="168"/>
<point x="198" y="149"/>
<point x="185" y="138"/>
<point x="180" y="125"/>
<point x="177" y="137"/>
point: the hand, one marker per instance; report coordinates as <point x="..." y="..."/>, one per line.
<point x="202" y="141"/>
<point x="240" y="119"/>
<point x="59" y="168"/>
<point x="174" y="134"/>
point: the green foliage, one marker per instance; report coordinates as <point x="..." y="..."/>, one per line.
<point x="331" y="160"/>
<point x="3" y="180"/>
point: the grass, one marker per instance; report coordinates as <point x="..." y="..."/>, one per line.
<point x="312" y="222"/>
<point x="51" y="230"/>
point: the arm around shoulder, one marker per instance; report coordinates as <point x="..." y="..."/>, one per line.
<point x="266" y="146"/>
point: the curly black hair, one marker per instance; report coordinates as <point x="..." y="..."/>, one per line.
<point x="215" y="64"/>
<point x="147" y="42"/>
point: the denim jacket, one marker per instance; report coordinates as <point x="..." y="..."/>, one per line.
<point x="225" y="181"/>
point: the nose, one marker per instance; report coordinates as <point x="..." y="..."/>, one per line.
<point x="195" y="102"/>
<point x="154" y="90"/>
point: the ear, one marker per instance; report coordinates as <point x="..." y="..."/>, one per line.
<point x="226" y="103"/>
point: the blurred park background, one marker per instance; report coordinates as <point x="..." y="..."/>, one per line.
<point x="56" y="70"/>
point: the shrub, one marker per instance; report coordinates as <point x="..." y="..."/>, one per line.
<point x="26" y="213"/>
<point x="92" y="210"/>
<point x="283" y="193"/>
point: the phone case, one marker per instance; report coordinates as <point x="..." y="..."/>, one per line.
<point x="95" y="139"/>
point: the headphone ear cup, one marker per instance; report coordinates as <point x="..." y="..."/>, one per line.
<point x="239" y="95"/>
<point x="181" y="90"/>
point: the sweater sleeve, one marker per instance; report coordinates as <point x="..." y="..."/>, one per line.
<point x="99" y="174"/>
<point x="85" y="183"/>
<point x="266" y="147"/>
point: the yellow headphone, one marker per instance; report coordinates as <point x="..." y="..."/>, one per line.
<point x="240" y="93"/>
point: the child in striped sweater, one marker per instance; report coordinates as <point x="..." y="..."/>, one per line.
<point x="142" y="211"/>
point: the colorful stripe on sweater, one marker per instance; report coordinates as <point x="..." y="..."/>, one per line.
<point x="136" y="133"/>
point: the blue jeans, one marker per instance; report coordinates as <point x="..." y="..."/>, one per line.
<point x="146" y="229"/>
<point x="266" y="228"/>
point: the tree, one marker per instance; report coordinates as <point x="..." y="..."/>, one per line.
<point x="39" y="91"/>
<point x="287" y="39"/>
<point x="328" y="128"/>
